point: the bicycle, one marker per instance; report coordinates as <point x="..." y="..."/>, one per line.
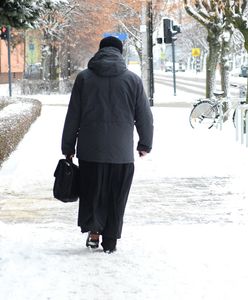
<point x="213" y="111"/>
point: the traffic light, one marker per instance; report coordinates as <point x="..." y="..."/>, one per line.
<point x="4" y="33"/>
<point x="177" y="29"/>
<point x="168" y="23"/>
<point x="159" y="40"/>
<point x="170" y="31"/>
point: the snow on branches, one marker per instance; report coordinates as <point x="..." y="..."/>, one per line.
<point x="24" y="14"/>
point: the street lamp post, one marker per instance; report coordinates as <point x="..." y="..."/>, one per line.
<point x="147" y="49"/>
<point x="150" y="50"/>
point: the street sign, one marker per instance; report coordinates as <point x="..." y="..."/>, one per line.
<point x="120" y="35"/>
<point x="196" y="51"/>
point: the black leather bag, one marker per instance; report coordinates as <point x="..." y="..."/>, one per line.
<point x="66" y="184"/>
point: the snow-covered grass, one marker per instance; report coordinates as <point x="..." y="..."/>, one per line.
<point x="185" y="230"/>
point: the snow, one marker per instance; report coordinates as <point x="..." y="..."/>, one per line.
<point x="185" y="230"/>
<point x="14" y="108"/>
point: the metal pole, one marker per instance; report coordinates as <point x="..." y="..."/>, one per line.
<point x="144" y="60"/>
<point x="174" y="69"/>
<point x="150" y="52"/>
<point x="246" y="124"/>
<point x="242" y="125"/>
<point x="9" y="61"/>
<point x="237" y="122"/>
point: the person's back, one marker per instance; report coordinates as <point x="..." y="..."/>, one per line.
<point x="107" y="101"/>
<point x="111" y="98"/>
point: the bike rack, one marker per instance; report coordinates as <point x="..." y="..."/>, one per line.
<point x="242" y="124"/>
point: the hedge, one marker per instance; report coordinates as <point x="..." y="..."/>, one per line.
<point x="33" y="87"/>
<point x="16" y="116"/>
<point x="4" y="101"/>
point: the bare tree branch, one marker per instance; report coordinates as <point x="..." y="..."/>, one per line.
<point x="135" y="37"/>
<point x="193" y="13"/>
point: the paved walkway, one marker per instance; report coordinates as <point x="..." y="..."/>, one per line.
<point x="186" y="179"/>
<point x="185" y="226"/>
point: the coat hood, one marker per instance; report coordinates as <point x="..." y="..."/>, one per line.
<point x="107" y="62"/>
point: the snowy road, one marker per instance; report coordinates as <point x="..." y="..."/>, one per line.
<point x="185" y="231"/>
<point x="192" y="85"/>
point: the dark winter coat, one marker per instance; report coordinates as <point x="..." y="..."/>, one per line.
<point x="107" y="100"/>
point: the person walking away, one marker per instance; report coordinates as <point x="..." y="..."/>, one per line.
<point x="107" y="101"/>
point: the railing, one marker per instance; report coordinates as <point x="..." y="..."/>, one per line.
<point x="241" y="122"/>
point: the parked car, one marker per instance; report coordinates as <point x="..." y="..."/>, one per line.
<point x="243" y="71"/>
<point x="182" y="67"/>
<point x="169" y="66"/>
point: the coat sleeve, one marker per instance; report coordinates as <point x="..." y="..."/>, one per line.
<point x="143" y="120"/>
<point x="72" y="120"/>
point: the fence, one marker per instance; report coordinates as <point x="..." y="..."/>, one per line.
<point x="241" y="123"/>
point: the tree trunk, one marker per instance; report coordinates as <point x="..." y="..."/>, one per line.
<point x="139" y="51"/>
<point x="54" y="73"/>
<point x="212" y="61"/>
<point x="225" y="68"/>
<point x="44" y="63"/>
<point x="224" y="63"/>
<point x="245" y="34"/>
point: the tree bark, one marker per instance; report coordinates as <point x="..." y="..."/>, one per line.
<point x="224" y="62"/>
<point x="54" y="74"/>
<point x="207" y="15"/>
<point x="245" y="34"/>
<point x="236" y="13"/>
<point x="212" y="61"/>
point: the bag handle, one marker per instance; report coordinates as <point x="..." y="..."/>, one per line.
<point x="69" y="157"/>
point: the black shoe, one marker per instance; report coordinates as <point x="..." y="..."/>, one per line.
<point x="92" y="240"/>
<point x="109" y="244"/>
<point x="110" y="251"/>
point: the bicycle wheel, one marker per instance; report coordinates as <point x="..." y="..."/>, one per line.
<point x="234" y="117"/>
<point x="203" y="115"/>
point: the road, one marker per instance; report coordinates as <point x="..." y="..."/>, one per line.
<point x="193" y="83"/>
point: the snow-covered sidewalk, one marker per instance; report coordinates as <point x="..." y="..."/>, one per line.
<point x="185" y="231"/>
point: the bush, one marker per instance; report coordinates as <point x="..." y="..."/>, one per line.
<point x="16" y="116"/>
<point x="33" y="87"/>
<point x="4" y="101"/>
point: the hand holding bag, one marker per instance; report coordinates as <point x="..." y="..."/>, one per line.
<point x="66" y="184"/>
